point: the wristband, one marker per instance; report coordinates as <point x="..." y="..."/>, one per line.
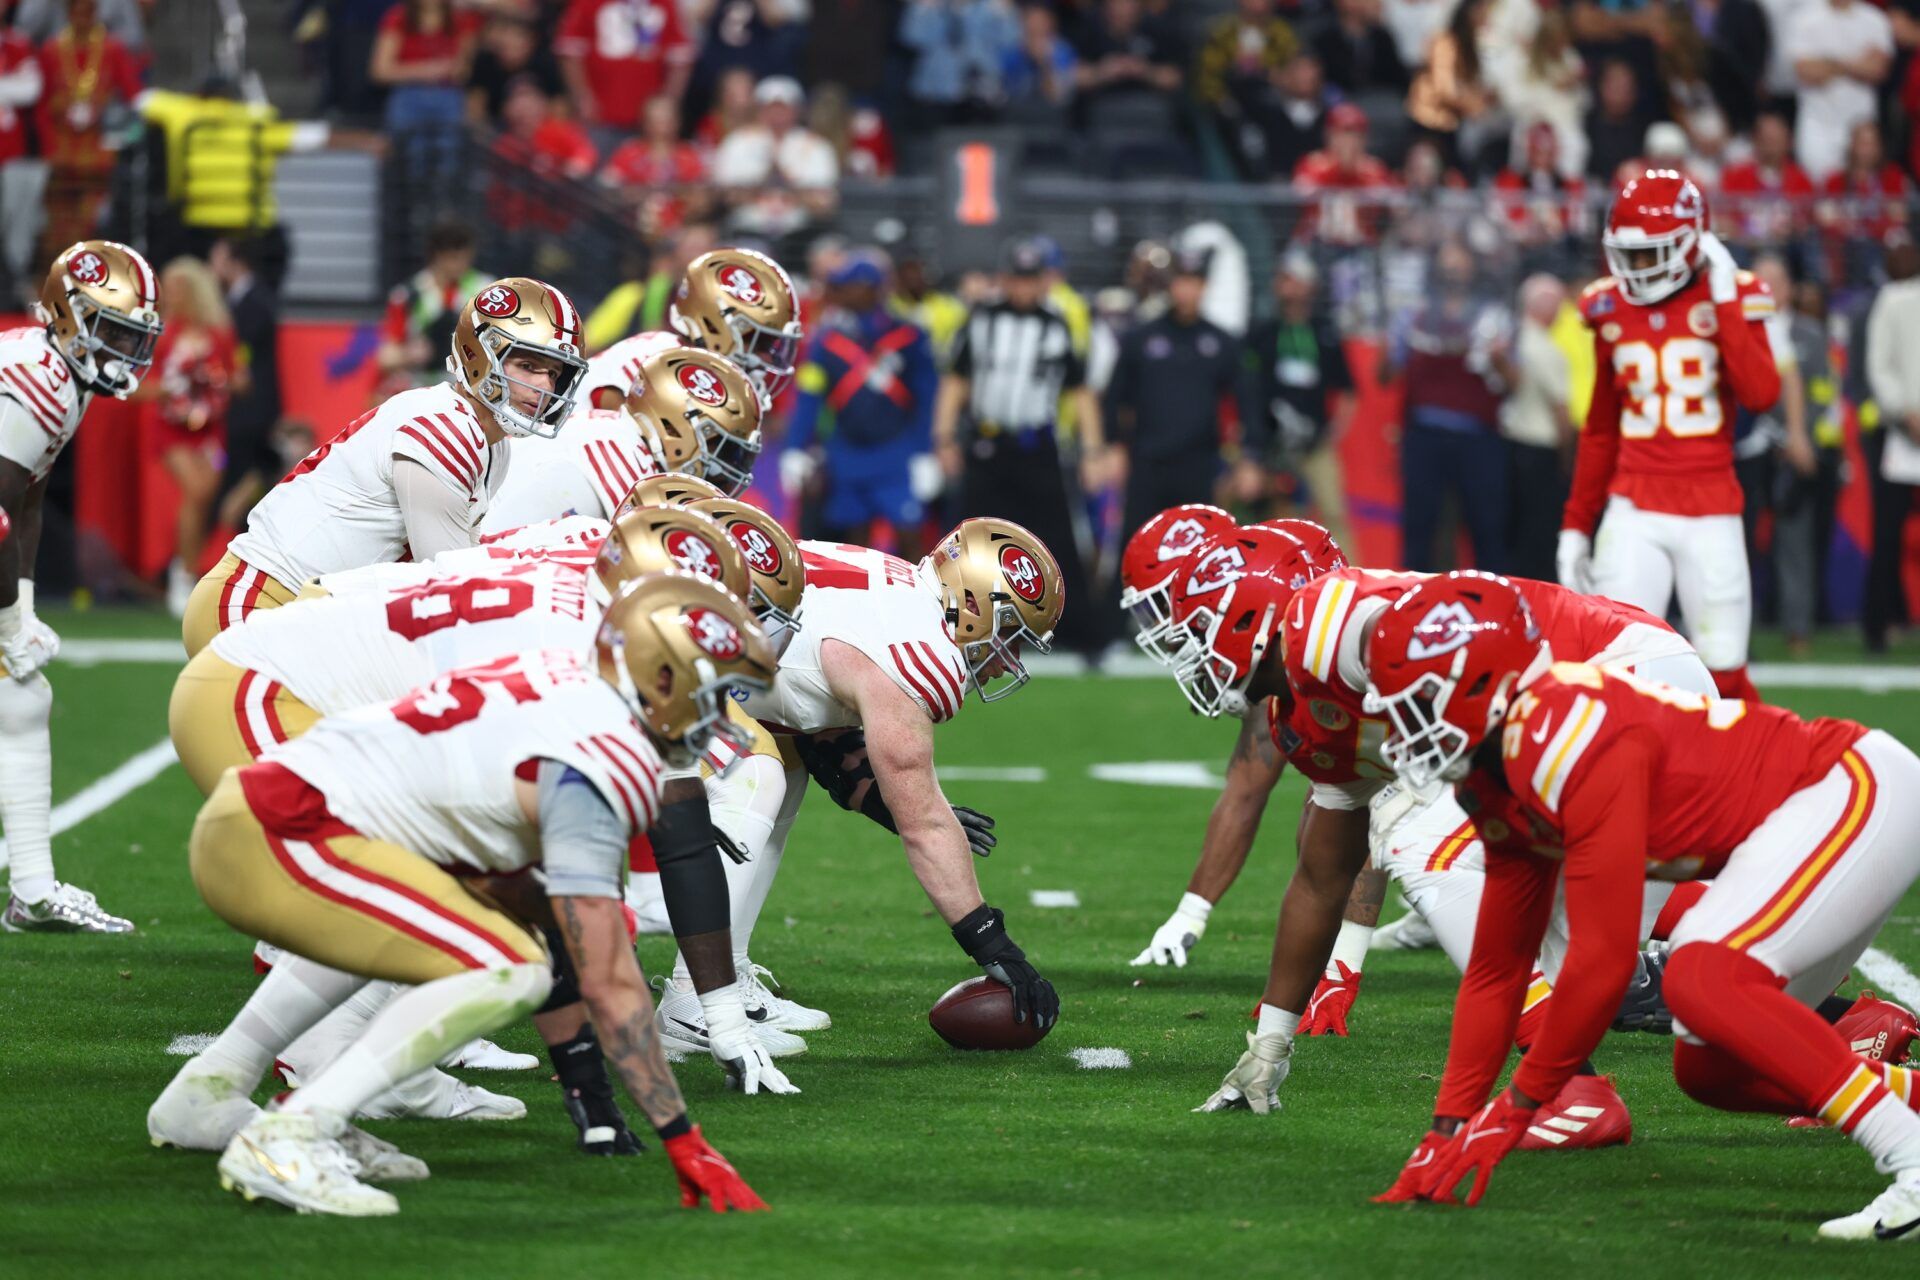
<point x="1275" y="1021"/>
<point x="1350" y="948"/>
<point x="982" y="934"/>
<point x="1192" y="904"/>
<point x="725" y="1012"/>
<point x="678" y="1127"/>
<point x="26" y="594"/>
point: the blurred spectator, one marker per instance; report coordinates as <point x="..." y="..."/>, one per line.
<point x="1060" y="292"/>
<point x="1768" y="191"/>
<point x="639" y="304"/>
<point x="1293" y="120"/>
<point x="1040" y="69"/>
<point x="1626" y="31"/>
<point x="848" y="43"/>
<point x="859" y="136"/>
<point x="1684" y="63"/>
<point x="1777" y="454"/>
<point x="1893" y="336"/>
<point x="1868" y="197"/>
<point x="1126" y="50"/>
<point x="1617" y="125"/>
<point x="422" y="312"/>
<point x="23" y="175"/>
<point x="1739" y="41"/>
<point x="252" y="463"/>
<point x="733" y="108"/>
<point x="1296" y="399"/>
<point x="184" y="405"/>
<point x="658" y="172"/>
<point x="1228" y="299"/>
<point x="959" y="47"/>
<point x="124" y="20"/>
<point x="1909" y="101"/>
<point x="422" y="55"/>
<point x="1528" y="51"/>
<point x="534" y="137"/>
<point x="1413" y="24"/>
<point x="1455" y="354"/>
<point x="1541" y="205"/>
<point x="1241" y="54"/>
<point x="1451" y="100"/>
<point x="1357" y="52"/>
<point x="1806" y="504"/>
<point x="1340" y="176"/>
<point x="938" y="311"/>
<point x="777" y="174"/>
<point x="1538" y="430"/>
<point x="88" y="76"/>
<point x="617" y="54"/>
<point x="1778" y="83"/>
<point x="763" y="37"/>
<point x="509" y="49"/>
<point x="1842" y="50"/>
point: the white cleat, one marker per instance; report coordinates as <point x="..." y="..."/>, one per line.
<point x="649" y="905"/>
<point x="683" y="1026"/>
<point x="435" y="1095"/>
<point x="1893" y="1215"/>
<point x="378" y="1160"/>
<point x="485" y="1055"/>
<point x="766" y="1009"/>
<point x="68" y="909"/>
<point x="284" y="1157"/>
<point x="1410" y="932"/>
<point x="199" y="1110"/>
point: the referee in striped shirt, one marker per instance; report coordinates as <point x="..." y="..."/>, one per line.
<point x="996" y="424"/>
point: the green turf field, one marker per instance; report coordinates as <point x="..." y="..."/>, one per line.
<point x="902" y="1157"/>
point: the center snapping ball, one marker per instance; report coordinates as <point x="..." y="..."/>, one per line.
<point x="978" y="1014"/>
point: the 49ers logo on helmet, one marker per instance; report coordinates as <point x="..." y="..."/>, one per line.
<point x="89" y="268"/>
<point x="703" y="385"/>
<point x="741" y="283"/>
<point x="498" y="301"/>
<point x="1023" y="575"/>
<point x="693" y="553"/>
<point x="717" y="637"/>
<point x="1447" y="626"/>
<point x="757" y="547"/>
<point x="1181" y="537"/>
<point x="1216" y="570"/>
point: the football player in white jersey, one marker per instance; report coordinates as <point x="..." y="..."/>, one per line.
<point x="415" y="476"/>
<point x="342" y="847"/>
<point x="96" y="335"/>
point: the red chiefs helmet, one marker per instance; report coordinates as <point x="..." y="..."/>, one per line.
<point x="1652" y="240"/>
<point x="1445" y="662"/>
<point x="1152" y="556"/>
<point x="1228" y="598"/>
<point x="1314" y="536"/>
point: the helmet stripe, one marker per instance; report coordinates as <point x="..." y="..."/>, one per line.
<point x="569" y="320"/>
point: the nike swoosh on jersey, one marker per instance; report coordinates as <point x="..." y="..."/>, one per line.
<point x="1546" y="727"/>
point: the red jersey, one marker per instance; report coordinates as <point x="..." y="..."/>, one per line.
<point x="639" y="164"/>
<point x="625" y="48"/>
<point x="1767" y="202"/>
<point x="1607" y="781"/>
<point x="20" y="66"/>
<point x="418" y="46"/>
<point x="1342" y="215"/>
<point x="1660" y="430"/>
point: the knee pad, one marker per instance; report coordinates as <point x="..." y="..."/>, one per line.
<point x="25" y="708"/>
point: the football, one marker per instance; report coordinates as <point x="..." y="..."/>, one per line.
<point x="978" y="1014"/>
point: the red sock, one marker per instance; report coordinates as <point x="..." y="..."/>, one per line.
<point x="1734" y="683"/>
<point x="640" y="855"/>
<point x="1684" y="896"/>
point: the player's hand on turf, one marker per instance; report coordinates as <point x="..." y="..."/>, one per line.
<point x="1175" y="940"/>
<point x="26" y="643"/>
<point x="747" y="1065"/>
<point x="1254" y="1083"/>
<point x="1033" y="995"/>
<point x="1723" y="274"/>
<point x="705" y="1175"/>
<point x="1573" y="561"/>
<point x="978" y="828"/>
<point x="1482" y="1143"/>
<point x="1332" y="1001"/>
<point x="1422" y="1169"/>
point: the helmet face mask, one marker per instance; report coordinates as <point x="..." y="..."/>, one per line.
<point x="700" y="414"/>
<point x="1425" y="747"/>
<point x="1660" y="213"/>
<point x="98" y="304"/>
<point x="552" y="405"/>
<point x="1149" y="564"/>
<point x="1002" y="594"/>
<point x="1214" y="682"/>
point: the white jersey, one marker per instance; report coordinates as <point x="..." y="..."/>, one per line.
<point x="44" y="404"/>
<point x="346" y="650"/>
<point x="338" y="509"/>
<point x="886" y="609"/>
<point x="615" y="368"/>
<point x="433" y="772"/>
<point x="585" y="470"/>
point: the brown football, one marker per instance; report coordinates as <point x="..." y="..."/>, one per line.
<point x="978" y="1014"/>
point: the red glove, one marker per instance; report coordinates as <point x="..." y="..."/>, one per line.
<point x="705" y="1172"/>
<point x="1417" y="1176"/>
<point x="1482" y="1143"/>
<point x="1332" y="1000"/>
<point x="6" y="526"/>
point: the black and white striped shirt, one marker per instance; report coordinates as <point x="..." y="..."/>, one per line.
<point x="1018" y="363"/>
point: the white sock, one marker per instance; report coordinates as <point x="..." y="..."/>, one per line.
<point x="1891" y="1135"/>
<point x="297" y="994"/>
<point x="746" y="911"/>
<point x="26" y="785"/>
<point x="311" y="1053"/>
<point x="416" y="1028"/>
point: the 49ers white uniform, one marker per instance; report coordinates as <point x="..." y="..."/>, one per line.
<point x="615" y="368"/>
<point x="50" y="403"/>
<point x="585" y="470"/>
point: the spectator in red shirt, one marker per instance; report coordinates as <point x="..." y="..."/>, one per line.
<point x="618" y="54"/>
<point x="1868" y="197"/>
<point x="21" y="177"/>
<point x="1769" y="194"/>
<point x="657" y="171"/>
<point x="1541" y="206"/>
<point x="534" y="138"/>
<point x="422" y="55"/>
<point x="87" y="75"/>
<point x="1343" y="168"/>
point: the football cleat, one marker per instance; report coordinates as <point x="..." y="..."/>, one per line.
<point x="1588" y="1112"/>
<point x="764" y="1008"/>
<point x="1878" y="1030"/>
<point x="199" y="1110"/>
<point x="285" y="1158"/>
<point x="485" y="1055"/>
<point x="603" y="1130"/>
<point x="435" y="1095"/>
<point x="1410" y="932"/>
<point x="683" y="1026"/>
<point x="68" y="909"/>
<point x="1643" y="1008"/>
<point x="1893" y="1215"/>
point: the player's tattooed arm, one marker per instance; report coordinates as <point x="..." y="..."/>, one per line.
<point x="616" y="996"/>
<point x="1369" y="891"/>
<point x="1252" y="770"/>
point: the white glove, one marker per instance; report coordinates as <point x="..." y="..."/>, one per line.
<point x="26" y="643"/>
<point x="1573" y="560"/>
<point x="1255" y="1080"/>
<point x="925" y="477"/>
<point x="1723" y="283"/>
<point x="731" y="1040"/>
<point x="796" y="468"/>
<point x="1176" y="939"/>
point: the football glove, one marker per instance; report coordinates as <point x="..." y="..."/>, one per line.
<point x="1332" y="1001"/>
<point x="1573" y="561"/>
<point x="983" y="935"/>
<point x="1723" y="273"/>
<point x="705" y="1175"/>
<point x="1419" y="1173"/>
<point x="26" y="643"/>
<point x="1480" y="1144"/>
<point x="737" y="1049"/>
<point x="1175" y="940"/>
<point x="978" y="828"/>
<point x="1254" y="1083"/>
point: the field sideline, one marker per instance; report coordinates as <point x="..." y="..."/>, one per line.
<point x="901" y="1157"/>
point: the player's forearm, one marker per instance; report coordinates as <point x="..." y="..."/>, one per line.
<point x="1333" y="848"/>
<point x="1593" y="463"/>
<point x="1514" y="908"/>
<point x="1748" y="359"/>
<point x="1251" y="774"/>
<point x="1364" y="902"/>
<point x="943" y="865"/>
<point x="615" y="993"/>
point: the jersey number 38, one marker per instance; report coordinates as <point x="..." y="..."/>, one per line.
<point x="1675" y="386"/>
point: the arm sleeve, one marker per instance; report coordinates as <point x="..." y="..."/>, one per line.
<point x="438" y="517"/>
<point x="1599" y="448"/>
<point x="1605" y="812"/>
<point x="1745" y="353"/>
<point x="583" y="844"/>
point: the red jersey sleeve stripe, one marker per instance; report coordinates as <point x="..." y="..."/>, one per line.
<point x="912" y="668"/>
<point x="955" y="681"/>
<point x="464" y="439"/>
<point x="34" y="401"/>
<point x="650" y="786"/>
<point x="437" y="453"/>
<point x="942" y="678"/>
<point x="628" y="799"/>
<point x="43" y="397"/>
<point x="600" y="479"/>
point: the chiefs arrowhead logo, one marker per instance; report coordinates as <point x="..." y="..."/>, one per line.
<point x="1022" y="574"/>
<point x="497" y="301"/>
<point x="1447" y="626"/>
<point x="757" y="547"/>
<point x="741" y="283"/>
<point x="703" y="385"/>
<point x="1181" y="537"/>
<point x="1216" y="570"/>
<point x="88" y="268"/>
<point x="717" y="637"/>
<point x="693" y="553"/>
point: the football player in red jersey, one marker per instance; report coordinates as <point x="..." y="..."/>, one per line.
<point x="1679" y="340"/>
<point x="1587" y="782"/>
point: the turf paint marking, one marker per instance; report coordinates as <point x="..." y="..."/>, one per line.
<point x="971" y="773"/>
<point x="1160" y="773"/>
<point x="188" y="1046"/>
<point x="1890" y="976"/>
<point x="1054" y="898"/>
<point x="1102" y="1059"/>
<point x="93" y="652"/>
<point x="103" y="793"/>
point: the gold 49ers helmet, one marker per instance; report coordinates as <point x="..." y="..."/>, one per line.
<point x="699" y="415"/>
<point x="740" y="304"/>
<point x="668" y="489"/>
<point x="1001" y="590"/>
<point x="676" y="646"/>
<point x="519" y="318"/>
<point x="773" y="559"/>
<point x="653" y="539"/>
<point x="98" y="306"/>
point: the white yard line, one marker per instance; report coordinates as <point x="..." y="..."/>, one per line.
<point x="1890" y="977"/>
<point x="91" y="652"/>
<point x="1159" y="773"/>
<point x="185" y="1046"/>
<point x="970" y="773"/>
<point x="1054" y="898"/>
<point x="104" y="793"/>
<point x="1102" y="1059"/>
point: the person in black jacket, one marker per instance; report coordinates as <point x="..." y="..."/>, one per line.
<point x="252" y="462"/>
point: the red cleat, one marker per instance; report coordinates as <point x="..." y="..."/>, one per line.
<point x="1878" y="1030"/>
<point x="1588" y="1112"/>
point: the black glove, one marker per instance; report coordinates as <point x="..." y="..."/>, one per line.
<point x="983" y="935"/>
<point x="588" y="1096"/>
<point x="978" y="828"/>
<point x="1643" y="1008"/>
